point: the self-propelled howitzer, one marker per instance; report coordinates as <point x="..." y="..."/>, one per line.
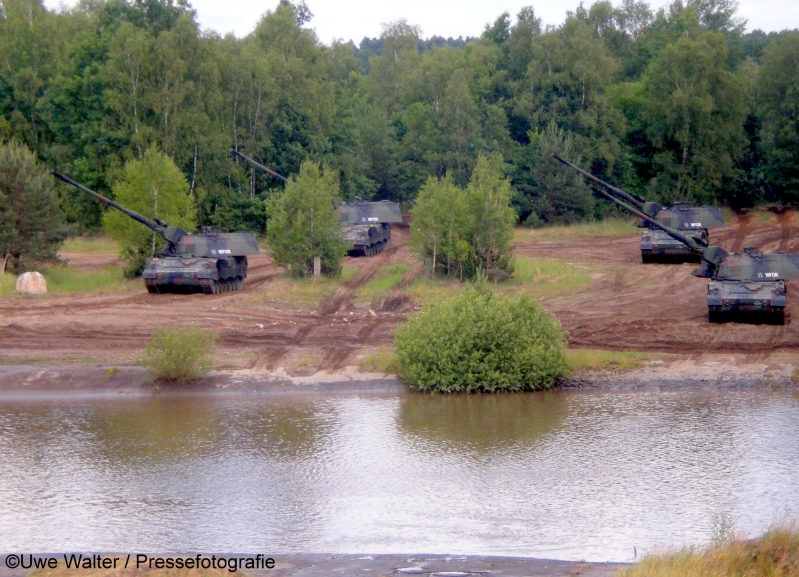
<point x="752" y="282"/>
<point x="656" y="245"/>
<point x="209" y="261"/>
<point x="366" y="226"/>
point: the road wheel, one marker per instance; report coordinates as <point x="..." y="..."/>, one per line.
<point x="239" y="283"/>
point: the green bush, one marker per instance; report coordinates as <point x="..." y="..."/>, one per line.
<point x="179" y="354"/>
<point x="304" y="223"/>
<point x="480" y="342"/>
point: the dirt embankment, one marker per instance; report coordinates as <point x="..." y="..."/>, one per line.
<point x="627" y="306"/>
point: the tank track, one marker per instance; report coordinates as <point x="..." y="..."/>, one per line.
<point x="212" y="287"/>
<point x="379" y="246"/>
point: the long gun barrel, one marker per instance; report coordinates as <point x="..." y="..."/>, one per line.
<point x="712" y="255"/>
<point x="631" y="198"/>
<point x="257" y="165"/>
<point x="688" y="241"/>
<point x="134" y="215"/>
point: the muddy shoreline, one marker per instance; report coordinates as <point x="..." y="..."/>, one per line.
<point x="317" y="565"/>
<point x="76" y="381"/>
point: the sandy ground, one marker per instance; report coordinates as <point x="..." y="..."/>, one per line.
<point x="628" y="306"/>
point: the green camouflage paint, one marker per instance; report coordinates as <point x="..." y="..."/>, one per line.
<point x="209" y="261"/>
<point x="750" y="282"/>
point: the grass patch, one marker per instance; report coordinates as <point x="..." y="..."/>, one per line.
<point x="774" y="554"/>
<point x="347" y="274"/>
<point x="595" y="360"/>
<point x="574" y="232"/>
<point x="179" y="354"/>
<point x="380" y="285"/>
<point x="91" y="245"/>
<point x="299" y="291"/>
<point x="537" y="277"/>
<point x="8" y="282"/>
<point x="304" y="291"/>
<point x="66" y="280"/>
<point x="383" y="361"/>
<point x="543" y="277"/>
<point x="432" y="291"/>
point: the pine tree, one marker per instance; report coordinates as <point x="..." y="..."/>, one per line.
<point x="32" y="227"/>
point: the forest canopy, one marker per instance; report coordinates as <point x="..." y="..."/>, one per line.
<point x="676" y="104"/>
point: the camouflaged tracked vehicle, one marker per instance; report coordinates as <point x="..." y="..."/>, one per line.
<point x="656" y="245"/>
<point x="367" y="225"/>
<point x="751" y="285"/>
<point x="209" y="261"/>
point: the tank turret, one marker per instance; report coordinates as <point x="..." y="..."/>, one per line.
<point x="209" y="261"/>
<point x="751" y="282"/>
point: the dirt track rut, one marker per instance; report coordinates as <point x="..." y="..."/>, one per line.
<point x="628" y="305"/>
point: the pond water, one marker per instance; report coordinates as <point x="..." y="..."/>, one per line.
<point x="566" y="475"/>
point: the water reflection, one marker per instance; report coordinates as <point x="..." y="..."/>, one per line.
<point x="482" y="423"/>
<point x="577" y="475"/>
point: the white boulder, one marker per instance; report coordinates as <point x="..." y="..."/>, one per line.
<point x="31" y="283"/>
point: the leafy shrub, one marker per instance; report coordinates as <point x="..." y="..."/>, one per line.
<point x="462" y="231"/>
<point x="155" y="188"/>
<point x="478" y="341"/>
<point x="304" y="223"/>
<point x="179" y="354"/>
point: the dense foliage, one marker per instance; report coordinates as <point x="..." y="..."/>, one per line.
<point x="480" y="342"/>
<point x="31" y="225"/>
<point x="304" y="223"/>
<point x="462" y="231"/>
<point x="179" y="354"/>
<point x="678" y="104"/>
<point x="155" y="188"/>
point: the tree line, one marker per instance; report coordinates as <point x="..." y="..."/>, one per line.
<point x="676" y="104"/>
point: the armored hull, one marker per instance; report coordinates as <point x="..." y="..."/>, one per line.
<point x="367" y="225"/>
<point x="367" y="239"/>
<point x="191" y="274"/>
<point x="658" y="246"/>
<point x="727" y="298"/>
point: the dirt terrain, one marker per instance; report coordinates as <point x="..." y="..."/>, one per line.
<point x="113" y="328"/>
<point x="661" y="307"/>
<point x="626" y="306"/>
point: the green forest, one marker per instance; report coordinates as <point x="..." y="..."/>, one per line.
<point x="676" y="104"/>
